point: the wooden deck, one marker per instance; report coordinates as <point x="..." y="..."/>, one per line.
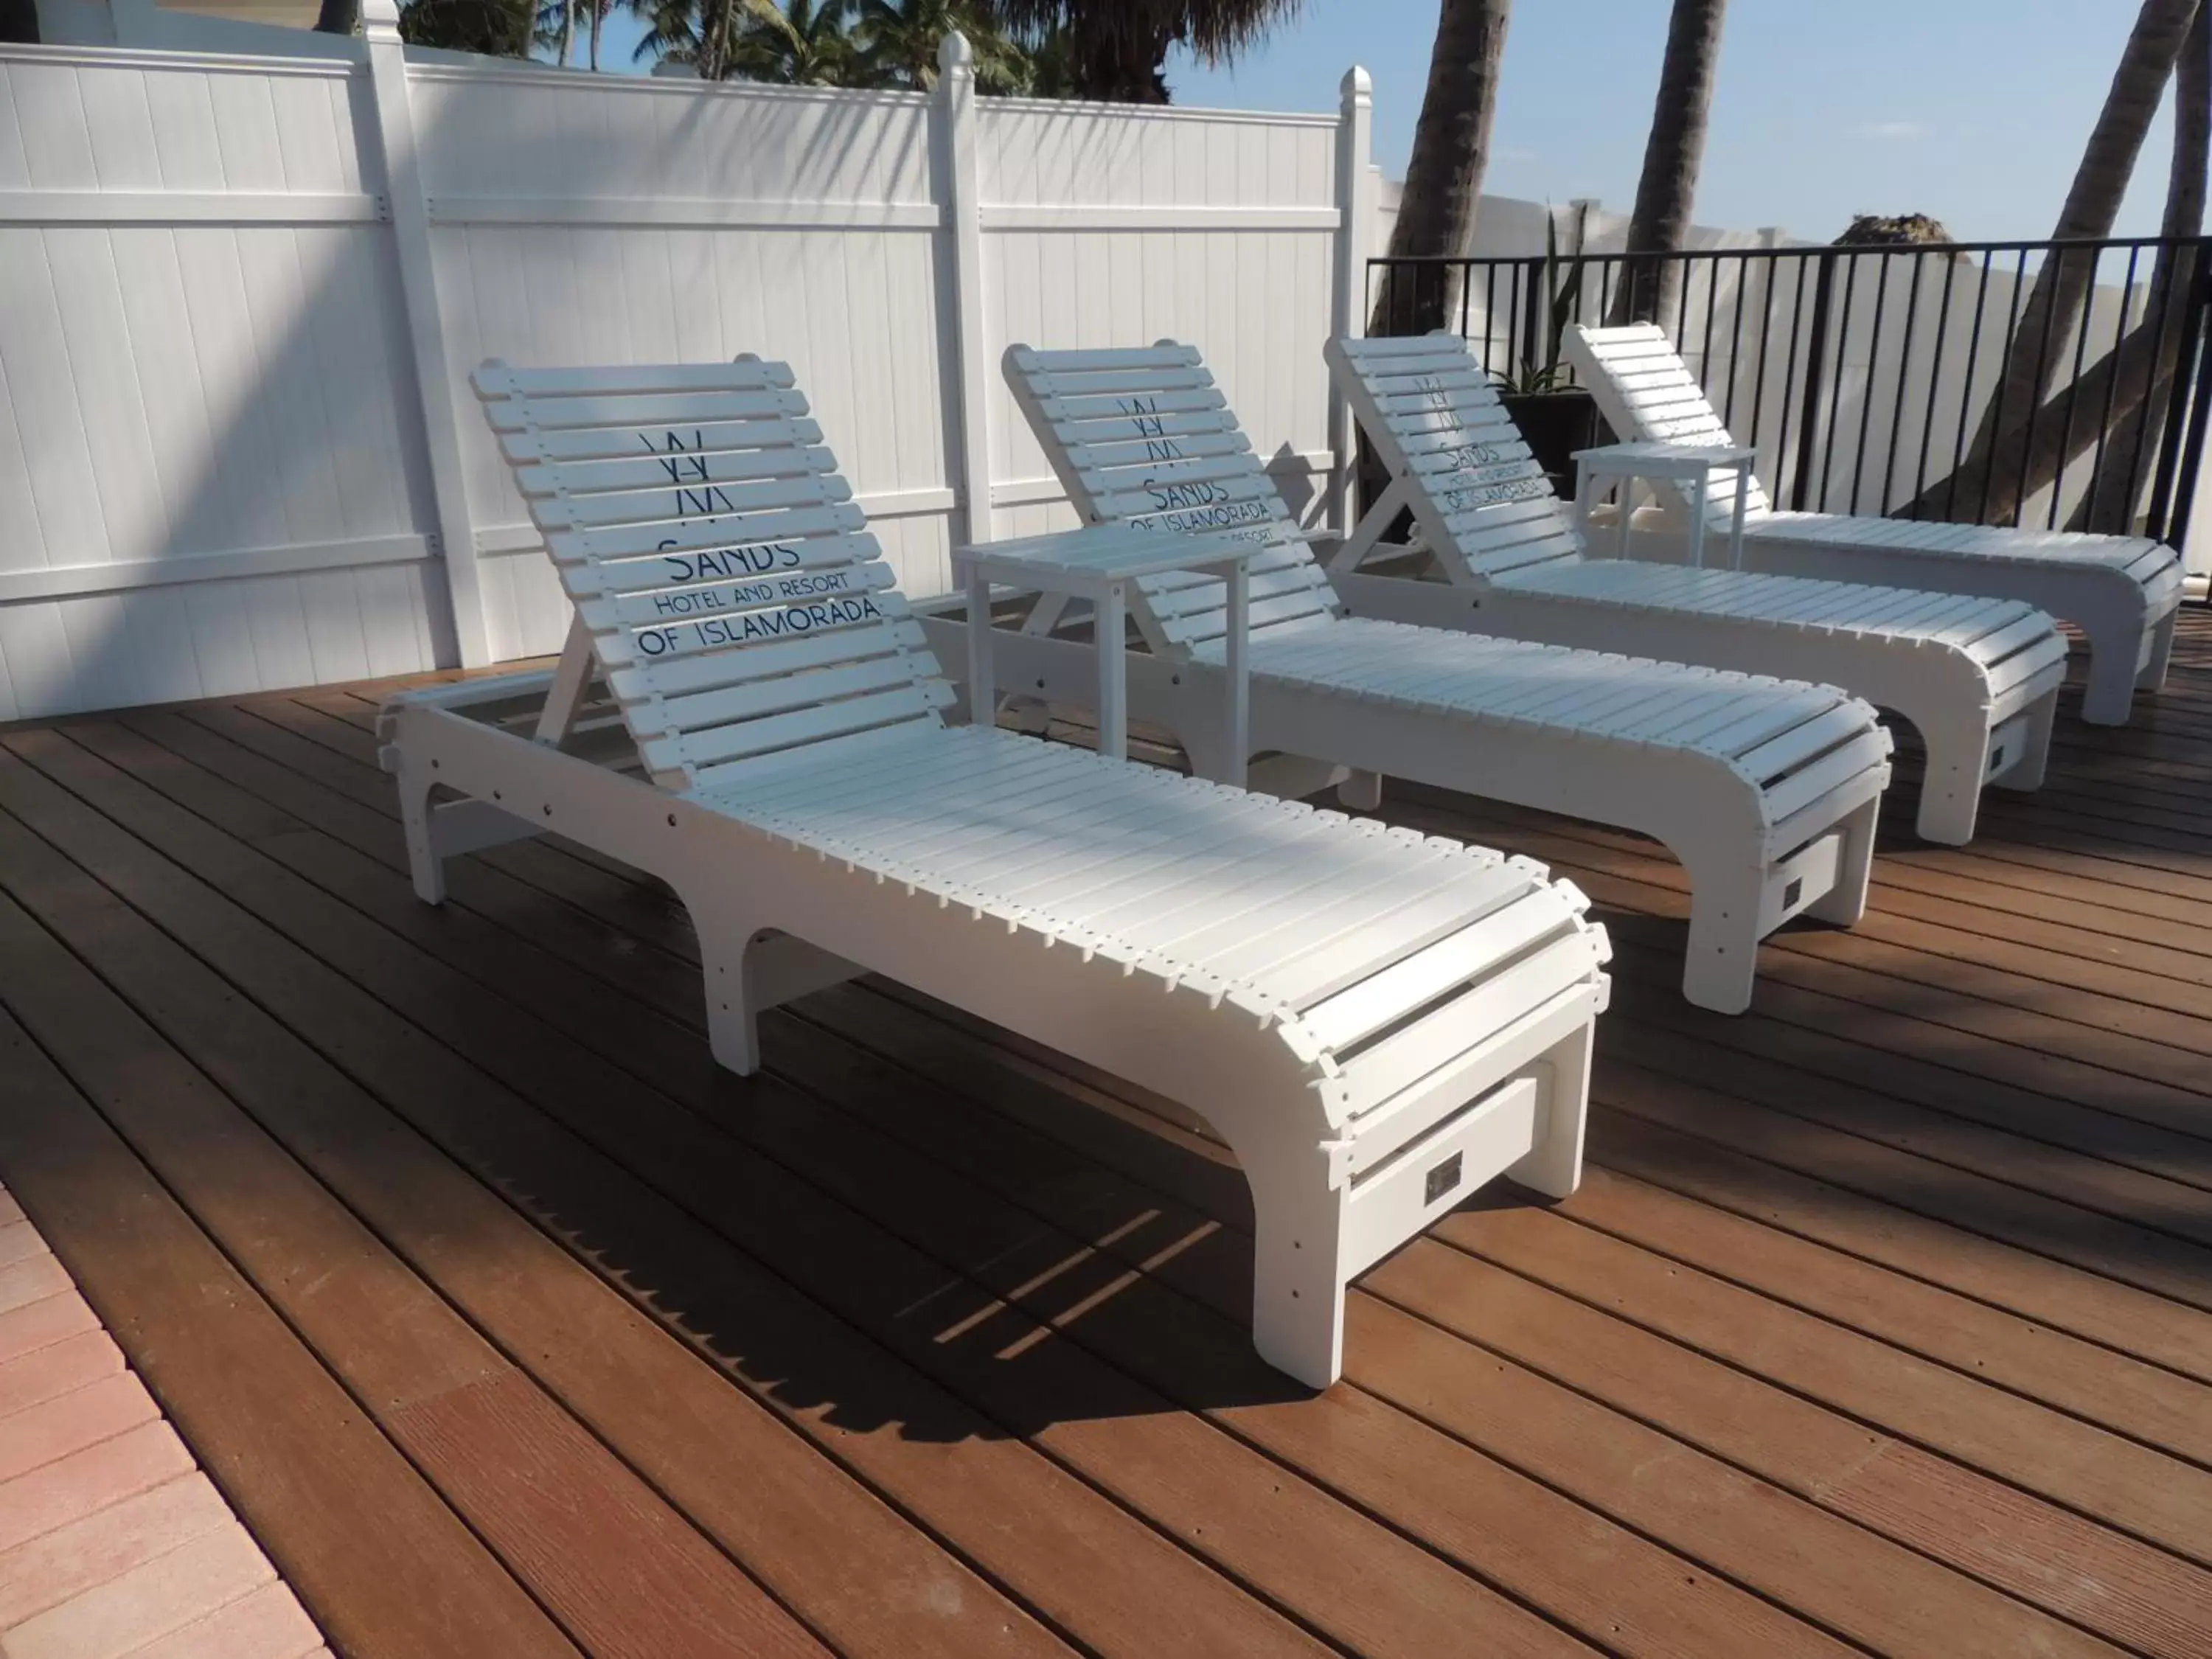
<point x="1883" y="1323"/>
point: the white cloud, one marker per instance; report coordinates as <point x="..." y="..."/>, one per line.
<point x="1894" y="131"/>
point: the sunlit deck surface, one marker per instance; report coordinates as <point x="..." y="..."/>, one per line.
<point x="1883" y="1321"/>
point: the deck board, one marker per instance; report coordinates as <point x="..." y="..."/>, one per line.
<point x="1883" y="1323"/>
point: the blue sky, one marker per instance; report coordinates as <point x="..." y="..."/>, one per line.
<point x="1974" y="111"/>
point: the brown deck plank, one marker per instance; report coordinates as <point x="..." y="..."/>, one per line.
<point x="750" y="1482"/>
<point x="1729" y="1522"/>
<point x="1239" y="1346"/>
<point x="1128" y="1582"/>
<point x="1768" y="1432"/>
<point x="1996" y="1028"/>
<point x="290" y="983"/>
<point x="1436" y="1595"/>
<point x="1888" y="1265"/>
<point x="342" y="1515"/>
<point x="2095" y="1384"/>
<point x="597" y="1548"/>
<point x="1239" y="1349"/>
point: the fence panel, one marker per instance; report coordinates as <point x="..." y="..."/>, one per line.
<point x="205" y="484"/>
<point x="604" y="219"/>
<point x="1122" y="227"/>
<point x="238" y="439"/>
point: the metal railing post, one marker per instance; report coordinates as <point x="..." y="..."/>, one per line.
<point x="1816" y="352"/>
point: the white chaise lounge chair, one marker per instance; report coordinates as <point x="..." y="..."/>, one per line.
<point x="1978" y="679"/>
<point x="2121" y="592"/>
<point x="1766" y="790"/>
<point x="1376" y="1021"/>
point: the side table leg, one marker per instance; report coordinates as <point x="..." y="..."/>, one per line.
<point x="1113" y="677"/>
<point x="1240" y="690"/>
<point x="1735" y="523"/>
<point x="982" y="695"/>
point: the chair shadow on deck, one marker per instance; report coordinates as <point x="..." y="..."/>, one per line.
<point x="927" y="1225"/>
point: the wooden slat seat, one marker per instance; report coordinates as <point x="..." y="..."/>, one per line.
<point x="1765" y="789"/>
<point x="2122" y="591"/>
<point x="1376" y="1020"/>
<point x="1977" y="677"/>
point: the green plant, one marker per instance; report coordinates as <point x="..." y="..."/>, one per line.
<point x="1561" y="290"/>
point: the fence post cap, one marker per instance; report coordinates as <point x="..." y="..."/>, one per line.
<point x="1357" y="84"/>
<point x="954" y="54"/>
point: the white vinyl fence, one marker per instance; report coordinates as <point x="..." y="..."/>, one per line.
<point x="240" y="298"/>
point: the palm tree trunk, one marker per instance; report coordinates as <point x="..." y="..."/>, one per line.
<point x="2132" y="444"/>
<point x="1995" y="471"/>
<point x="599" y="19"/>
<point x="1444" y="177"/>
<point x="713" y="36"/>
<point x="338" y="16"/>
<point x="1661" y="221"/>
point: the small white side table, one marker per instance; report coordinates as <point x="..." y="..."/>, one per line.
<point x="1097" y="564"/>
<point x="1692" y="464"/>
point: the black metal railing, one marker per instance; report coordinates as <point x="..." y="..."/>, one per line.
<point x="1864" y="376"/>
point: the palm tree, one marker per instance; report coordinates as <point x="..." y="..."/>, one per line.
<point x="1444" y="177"/>
<point x="672" y="31"/>
<point x="900" y="38"/>
<point x="495" y="28"/>
<point x="2109" y="503"/>
<point x="1660" y="220"/>
<point x="1997" y="467"/>
<point x="1119" y="47"/>
<point x="805" y="43"/>
<point x="1052" y="64"/>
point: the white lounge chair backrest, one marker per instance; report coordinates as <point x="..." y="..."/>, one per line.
<point x="1143" y="437"/>
<point x="1428" y="407"/>
<point x="1646" y="391"/>
<point x="723" y="575"/>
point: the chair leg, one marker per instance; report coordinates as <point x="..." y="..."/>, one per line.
<point x="1362" y="792"/>
<point x="2028" y="772"/>
<point x="1951" y="787"/>
<point x="2152" y="678"/>
<point x="424" y="864"/>
<point x="1724" y="955"/>
<point x="1298" y="1277"/>
<point x="726" y="940"/>
<point x="1554" y="1166"/>
<point x="1844" y="903"/>
<point x="2112" y="685"/>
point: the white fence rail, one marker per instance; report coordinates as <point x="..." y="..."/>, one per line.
<point x="239" y="297"/>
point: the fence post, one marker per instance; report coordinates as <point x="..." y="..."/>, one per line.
<point x="453" y="538"/>
<point x="1355" y="207"/>
<point x="1816" y="352"/>
<point x="954" y="133"/>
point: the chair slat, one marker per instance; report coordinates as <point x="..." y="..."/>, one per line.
<point x="714" y="554"/>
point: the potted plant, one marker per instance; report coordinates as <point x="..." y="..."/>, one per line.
<point x="1556" y="416"/>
